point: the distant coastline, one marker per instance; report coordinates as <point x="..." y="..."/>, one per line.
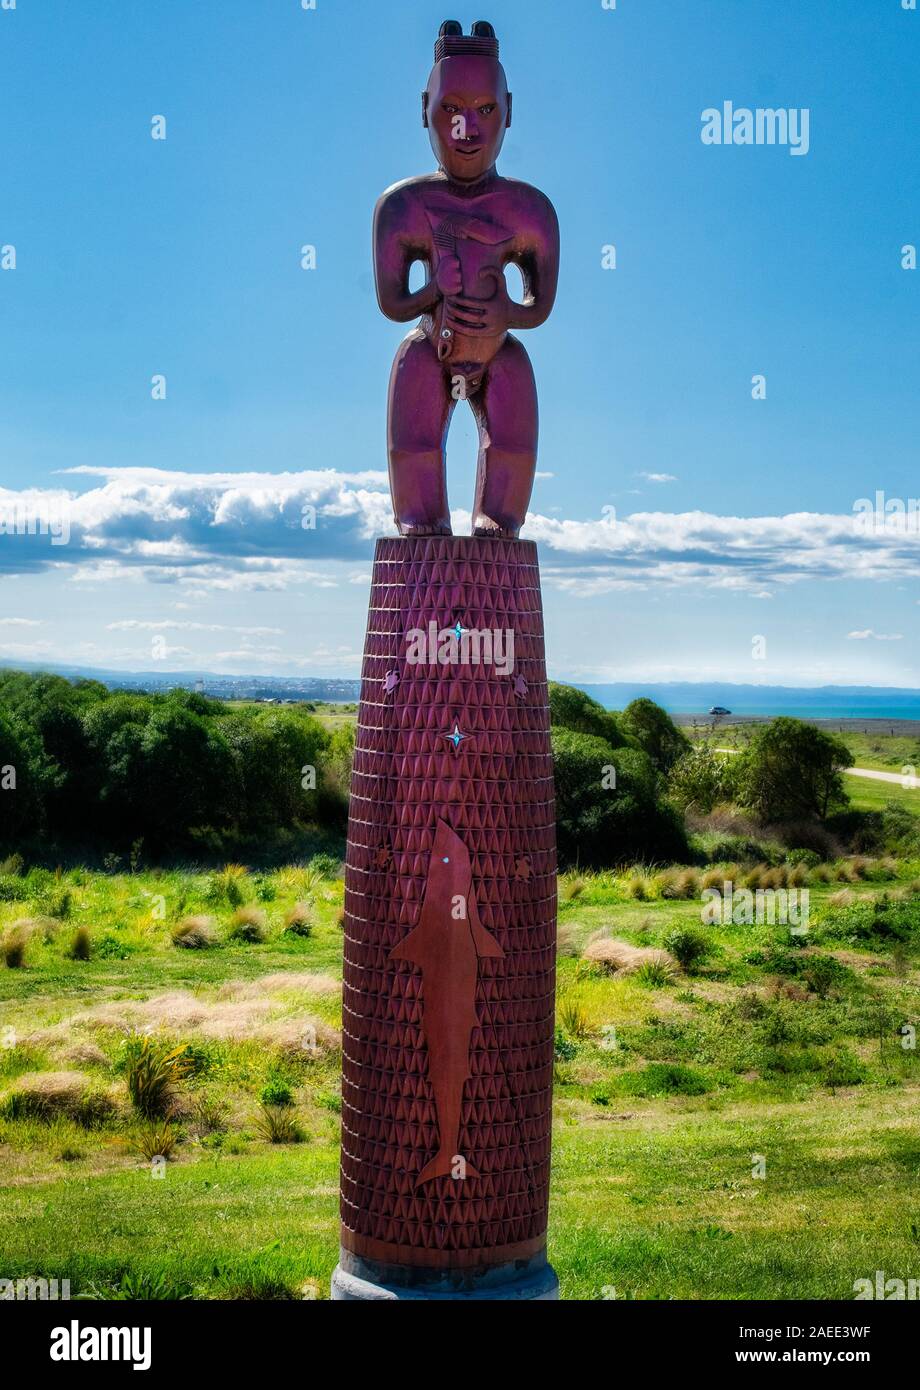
<point x="685" y="700"/>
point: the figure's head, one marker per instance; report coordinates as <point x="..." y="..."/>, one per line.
<point x="466" y="106"/>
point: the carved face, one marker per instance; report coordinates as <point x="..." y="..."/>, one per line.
<point x="468" y="109"/>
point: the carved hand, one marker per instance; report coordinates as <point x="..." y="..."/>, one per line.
<point x="447" y="276"/>
<point x="486" y="316"/>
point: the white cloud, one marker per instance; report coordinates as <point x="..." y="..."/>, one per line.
<point x="242" y="532"/>
<point x="659" y="477"/>
<point x="125" y="624"/>
<point x="867" y="633"/>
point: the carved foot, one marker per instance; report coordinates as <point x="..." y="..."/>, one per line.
<point x="497" y="533"/>
<point x="425" y="531"/>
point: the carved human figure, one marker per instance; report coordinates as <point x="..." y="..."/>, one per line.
<point x="465" y="223"/>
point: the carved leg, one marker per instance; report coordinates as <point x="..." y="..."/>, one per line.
<point x="420" y="407"/>
<point x="506" y="412"/>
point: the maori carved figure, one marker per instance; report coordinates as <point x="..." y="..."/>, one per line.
<point x="450" y="875"/>
<point x="465" y="223"/>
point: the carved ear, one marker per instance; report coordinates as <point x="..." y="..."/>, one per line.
<point x="425" y="109"/>
<point x="508" y="117"/>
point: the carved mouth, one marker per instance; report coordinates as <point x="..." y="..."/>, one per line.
<point x="466" y="151"/>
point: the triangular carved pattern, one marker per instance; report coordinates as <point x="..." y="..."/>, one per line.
<point x="496" y="792"/>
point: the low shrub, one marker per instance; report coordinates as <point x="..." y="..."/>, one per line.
<point x="843" y="1068"/>
<point x="326" y="865"/>
<point x="810" y="858"/>
<point x="688" y="946"/>
<point x="664" y="1079"/>
<point x="276" y="1092"/>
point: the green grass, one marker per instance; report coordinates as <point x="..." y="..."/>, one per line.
<point x="868" y="795"/>
<point x="666" y="1090"/>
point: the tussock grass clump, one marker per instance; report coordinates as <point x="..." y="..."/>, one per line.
<point x="278" y="1125"/>
<point x="622" y="958"/>
<point x="85" y="1054"/>
<point x="194" y="933"/>
<point x="640" y="886"/>
<point x="153" y="1070"/>
<point x="567" y="941"/>
<point x="51" y="1095"/>
<point x="682" y="883"/>
<point x="855" y="869"/>
<point x="777" y="877"/>
<point x="714" y="878"/>
<point x="13" y="946"/>
<point x="248" y="925"/>
<point x="299" y="921"/>
<point x="81" y="944"/>
<point x="844" y="897"/>
<point x="571" y="886"/>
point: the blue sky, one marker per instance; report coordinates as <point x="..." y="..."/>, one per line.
<point x="136" y="257"/>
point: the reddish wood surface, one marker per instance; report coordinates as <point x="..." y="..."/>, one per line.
<point x="485" y="1026"/>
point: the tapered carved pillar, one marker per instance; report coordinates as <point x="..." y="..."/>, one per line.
<point x="450" y="908"/>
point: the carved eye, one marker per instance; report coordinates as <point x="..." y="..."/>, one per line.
<point x="486" y="110"/>
<point x="451" y="110"/>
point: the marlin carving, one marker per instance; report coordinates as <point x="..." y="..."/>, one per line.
<point x="446" y="946"/>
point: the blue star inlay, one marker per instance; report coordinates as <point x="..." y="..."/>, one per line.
<point x="456" y="737"/>
<point x="459" y="630"/>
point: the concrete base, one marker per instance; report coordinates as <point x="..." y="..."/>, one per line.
<point x="362" y="1281"/>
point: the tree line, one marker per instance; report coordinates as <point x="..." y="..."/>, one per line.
<point x="81" y="765"/>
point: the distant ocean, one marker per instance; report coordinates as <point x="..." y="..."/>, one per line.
<point x="822" y="702"/>
<point x="677" y="697"/>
